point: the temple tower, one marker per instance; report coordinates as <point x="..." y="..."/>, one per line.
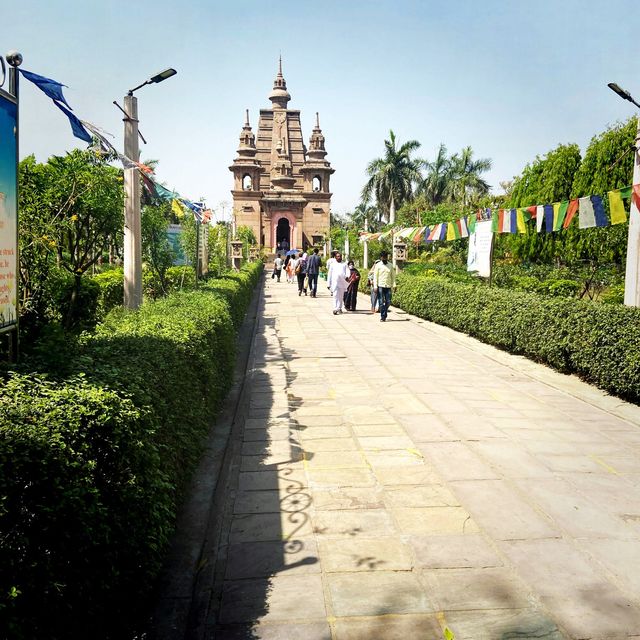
<point x="281" y="189"/>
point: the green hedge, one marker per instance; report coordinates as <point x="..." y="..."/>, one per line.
<point x="95" y="456"/>
<point x="601" y="343"/>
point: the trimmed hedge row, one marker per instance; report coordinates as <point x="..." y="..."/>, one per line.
<point x="94" y="459"/>
<point x="601" y="343"/>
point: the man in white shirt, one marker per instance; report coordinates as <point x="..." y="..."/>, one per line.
<point x="384" y="279"/>
<point x="337" y="281"/>
<point x="277" y="268"/>
<point x="330" y="261"/>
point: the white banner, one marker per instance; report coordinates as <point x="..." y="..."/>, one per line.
<point x="480" y="248"/>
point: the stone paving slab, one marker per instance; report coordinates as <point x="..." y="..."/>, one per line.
<point x="396" y="480"/>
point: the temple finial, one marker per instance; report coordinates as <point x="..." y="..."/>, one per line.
<point x="317" y="120"/>
<point x="280" y="64"/>
<point x="246" y="122"/>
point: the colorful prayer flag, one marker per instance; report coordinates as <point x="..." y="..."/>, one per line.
<point x="539" y="217"/>
<point x="51" y="88"/>
<point x="521" y="220"/>
<point x="76" y="126"/>
<point x="598" y="209"/>
<point x="559" y="214"/>
<point x="176" y="207"/>
<point x="572" y="209"/>
<point x="548" y="218"/>
<point x="616" y="207"/>
<point x="463" y="227"/>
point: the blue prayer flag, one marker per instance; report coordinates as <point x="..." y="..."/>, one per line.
<point x="52" y="88"/>
<point x="598" y="211"/>
<point x="548" y="218"/>
<point x="76" y="126"/>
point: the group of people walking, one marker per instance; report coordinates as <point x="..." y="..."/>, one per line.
<point x="342" y="279"/>
<point x="301" y="267"/>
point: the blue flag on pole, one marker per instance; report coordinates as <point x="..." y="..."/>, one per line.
<point x="52" y="88"/>
<point x="76" y="126"/>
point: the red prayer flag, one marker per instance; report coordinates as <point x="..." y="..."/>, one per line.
<point x="636" y="196"/>
<point x="571" y="212"/>
<point x="533" y="211"/>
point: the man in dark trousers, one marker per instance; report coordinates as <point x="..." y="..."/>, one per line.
<point x="313" y="269"/>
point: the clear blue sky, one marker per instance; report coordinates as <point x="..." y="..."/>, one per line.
<point x="511" y="78"/>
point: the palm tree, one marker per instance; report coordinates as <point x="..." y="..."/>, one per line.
<point x="467" y="182"/>
<point x="365" y="217"/>
<point x="391" y="178"/>
<point x="436" y="186"/>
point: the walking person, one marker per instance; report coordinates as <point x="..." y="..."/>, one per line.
<point x="313" y="269"/>
<point x="374" y="295"/>
<point x="384" y="279"/>
<point x="277" y="267"/>
<point x="301" y="274"/>
<point x="291" y="268"/>
<point x="330" y="261"/>
<point x="337" y="281"/>
<point x="353" y="281"/>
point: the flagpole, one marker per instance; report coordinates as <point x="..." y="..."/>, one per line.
<point x="14" y="59"/>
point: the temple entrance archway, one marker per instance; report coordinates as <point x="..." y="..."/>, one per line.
<point x="283" y="232"/>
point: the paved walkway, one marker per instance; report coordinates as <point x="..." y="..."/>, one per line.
<point x="393" y="481"/>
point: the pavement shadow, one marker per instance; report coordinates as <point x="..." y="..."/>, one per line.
<point x="266" y="522"/>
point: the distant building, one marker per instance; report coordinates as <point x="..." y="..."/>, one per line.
<point x="281" y="188"/>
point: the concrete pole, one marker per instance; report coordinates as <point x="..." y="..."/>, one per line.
<point x="366" y="255"/>
<point x="632" y="272"/>
<point x="346" y="247"/>
<point x="393" y="252"/>
<point x="132" y="226"/>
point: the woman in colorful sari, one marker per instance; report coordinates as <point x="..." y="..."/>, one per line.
<point x="351" y="294"/>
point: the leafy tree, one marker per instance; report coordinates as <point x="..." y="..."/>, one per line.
<point x="156" y="247"/>
<point x="548" y="179"/>
<point x="392" y="177"/>
<point x="70" y="208"/>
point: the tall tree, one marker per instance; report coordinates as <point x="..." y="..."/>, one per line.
<point x="467" y="182"/>
<point x="437" y="182"/>
<point x="392" y="177"/>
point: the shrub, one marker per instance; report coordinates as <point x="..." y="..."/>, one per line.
<point x="601" y="343"/>
<point x="80" y="313"/>
<point x="95" y="455"/>
<point x="614" y="294"/>
<point x="563" y="288"/>
<point x="111" y="285"/>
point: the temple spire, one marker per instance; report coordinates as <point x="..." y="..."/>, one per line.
<point x="279" y="96"/>
<point x="317" y="120"/>
<point x="246" y="122"/>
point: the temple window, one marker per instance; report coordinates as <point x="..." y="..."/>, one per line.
<point x="316" y="183"/>
<point x="246" y="182"/>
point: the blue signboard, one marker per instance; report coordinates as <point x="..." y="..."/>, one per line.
<point x="8" y="213"/>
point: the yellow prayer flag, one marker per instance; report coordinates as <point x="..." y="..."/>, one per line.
<point x="520" y="223"/>
<point x="176" y="207"/>
<point x="451" y="234"/>
<point x="616" y="207"/>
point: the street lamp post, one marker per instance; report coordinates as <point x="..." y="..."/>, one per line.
<point x="632" y="270"/>
<point x="132" y="225"/>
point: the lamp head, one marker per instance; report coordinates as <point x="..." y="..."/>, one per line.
<point x="163" y="75"/>
<point x="625" y="95"/>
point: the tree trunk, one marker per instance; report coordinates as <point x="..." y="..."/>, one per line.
<point x="69" y="321"/>
<point x="392" y="211"/>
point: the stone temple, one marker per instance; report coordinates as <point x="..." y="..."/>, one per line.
<point x="281" y="188"/>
